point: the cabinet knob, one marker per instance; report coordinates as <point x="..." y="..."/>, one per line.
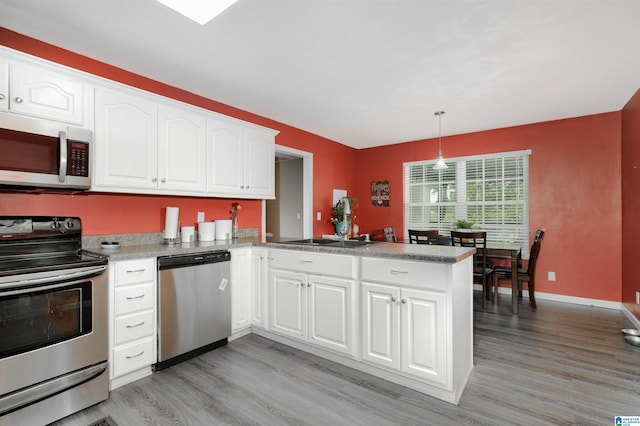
<point x="154" y="180"/>
<point x="18" y="100"/>
<point x="393" y="299"/>
<point x="1" y="96"/>
<point x="404" y="300"/>
<point x="163" y="180"/>
<point x="308" y="284"/>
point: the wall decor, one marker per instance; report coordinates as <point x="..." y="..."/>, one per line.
<point x="380" y="193"/>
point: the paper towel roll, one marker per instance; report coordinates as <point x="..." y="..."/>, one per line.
<point x="171" y="223"/>
<point x="207" y="231"/>
<point x="223" y="229"/>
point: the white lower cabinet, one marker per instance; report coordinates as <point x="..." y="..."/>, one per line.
<point x="259" y="285"/>
<point x="318" y="309"/>
<point x="405" y="329"/>
<point x="240" y="291"/>
<point x="132" y="325"/>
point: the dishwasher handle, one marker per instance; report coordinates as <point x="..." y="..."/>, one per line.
<point x="181" y="261"/>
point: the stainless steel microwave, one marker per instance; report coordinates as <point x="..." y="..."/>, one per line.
<point x="39" y="154"/>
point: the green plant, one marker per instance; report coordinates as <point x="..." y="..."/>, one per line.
<point x="463" y="224"/>
<point x="337" y="213"/>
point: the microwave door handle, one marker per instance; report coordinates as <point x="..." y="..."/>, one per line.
<point x="62" y="171"/>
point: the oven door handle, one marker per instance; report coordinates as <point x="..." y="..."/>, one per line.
<point x="50" y="277"/>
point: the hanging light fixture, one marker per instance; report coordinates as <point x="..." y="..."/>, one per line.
<point x="440" y="164"/>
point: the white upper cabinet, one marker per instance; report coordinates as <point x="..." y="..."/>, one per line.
<point x="39" y="92"/>
<point x="4" y="85"/>
<point x="225" y="161"/>
<point x="259" y="164"/>
<point x="149" y="147"/>
<point x="126" y="141"/>
<point x="181" y="149"/>
<point x="240" y="160"/>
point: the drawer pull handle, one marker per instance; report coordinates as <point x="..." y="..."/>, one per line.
<point x="135" y="356"/>
<point x="136" y="325"/>
<point x="306" y="262"/>
<point x="135" y="271"/>
<point x="396" y="272"/>
<point x="135" y="297"/>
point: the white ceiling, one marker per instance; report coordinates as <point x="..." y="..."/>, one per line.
<point x="367" y="72"/>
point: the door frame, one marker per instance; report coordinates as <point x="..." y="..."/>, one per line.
<point x="307" y="189"/>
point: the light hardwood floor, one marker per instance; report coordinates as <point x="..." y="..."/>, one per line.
<point x="560" y="365"/>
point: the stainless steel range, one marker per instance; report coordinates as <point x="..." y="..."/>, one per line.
<point x="53" y="321"/>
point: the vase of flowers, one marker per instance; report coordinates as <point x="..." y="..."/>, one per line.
<point x="337" y="216"/>
<point x="234" y="219"/>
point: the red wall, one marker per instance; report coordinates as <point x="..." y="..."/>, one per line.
<point x="631" y="203"/>
<point x="333" y="163"/>
<point x="574" y="189"/>
<point x="574" y="193"/>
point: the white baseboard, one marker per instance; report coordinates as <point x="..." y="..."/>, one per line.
<point x="627" y="313"/>
<point x="562" y="298"/>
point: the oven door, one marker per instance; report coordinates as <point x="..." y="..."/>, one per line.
<point x="53" y="333"/>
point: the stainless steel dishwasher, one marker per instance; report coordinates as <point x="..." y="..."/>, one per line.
<point x="194" y="305"/>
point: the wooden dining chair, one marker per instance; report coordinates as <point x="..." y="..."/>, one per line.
<point x="430" y="236"/>
<point x="482" y="268"/>
<point x="528" y="275"/>
<point x="390" y="234"/>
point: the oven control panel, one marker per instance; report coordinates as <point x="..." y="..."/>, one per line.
<point x="16" y="227"/>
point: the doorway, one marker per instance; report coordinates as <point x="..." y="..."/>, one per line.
<point x="291" y="213"/>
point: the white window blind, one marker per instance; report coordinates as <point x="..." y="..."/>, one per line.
<point x="490" y="190"/>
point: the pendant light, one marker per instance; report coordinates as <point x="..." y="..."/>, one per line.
<point x="440" y="164"/>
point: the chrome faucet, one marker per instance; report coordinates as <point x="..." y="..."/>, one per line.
<point x="346" y="213"/>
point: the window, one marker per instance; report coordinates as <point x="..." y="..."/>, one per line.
<point x="489" y="190"/>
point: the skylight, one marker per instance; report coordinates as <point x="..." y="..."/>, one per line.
<point x="200" y="11"/>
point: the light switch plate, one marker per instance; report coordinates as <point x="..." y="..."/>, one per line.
<point x="552" y="276"/>
<point x="200" y="217"/>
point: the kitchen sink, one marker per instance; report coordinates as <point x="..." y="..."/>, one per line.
<point x="311" y="242"/>
<point x="327" y="242"/>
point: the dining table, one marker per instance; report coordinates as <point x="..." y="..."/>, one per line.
<point x="506" y="250"/>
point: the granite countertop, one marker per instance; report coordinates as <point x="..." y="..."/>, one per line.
<point x="136" y="248"/>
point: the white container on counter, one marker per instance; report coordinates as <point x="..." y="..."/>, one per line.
<point x="188" y="234"/>
<point x="223" y="229"/>
<point x="207" y="231"/>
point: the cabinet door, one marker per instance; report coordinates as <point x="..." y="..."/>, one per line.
<point x="181" y="150"/>
<point x="381" y="325"/>
<point x="224" y="157"/>
<point x="4" y="85"/>
<point x="240" y="289"/>
<point x="330" y="310"/>
<point x="289" y="303"/>
<point x="259" y="265"/>
<point x="424" y="343"/>
<point x="42" y="93"/>
<point x="259" y="164"/>
<point x="126" y="141"/>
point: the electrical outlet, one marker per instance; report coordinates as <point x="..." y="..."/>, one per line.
<point x="319" y="216"/>
<point x="200" y="217"/>
<point x="552" y="276"/>
<point x="638" y="297"/>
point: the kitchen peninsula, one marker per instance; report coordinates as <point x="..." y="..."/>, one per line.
<point x="397" y="311"/>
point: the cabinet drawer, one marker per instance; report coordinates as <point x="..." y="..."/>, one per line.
<point x="135" y="271"/>
<point x="132" y="358"/>
<point x="134" y="298"/>
<point x="133" y="327"/>
<point x="405" y="273"/>
<point x="315" y="263"/>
